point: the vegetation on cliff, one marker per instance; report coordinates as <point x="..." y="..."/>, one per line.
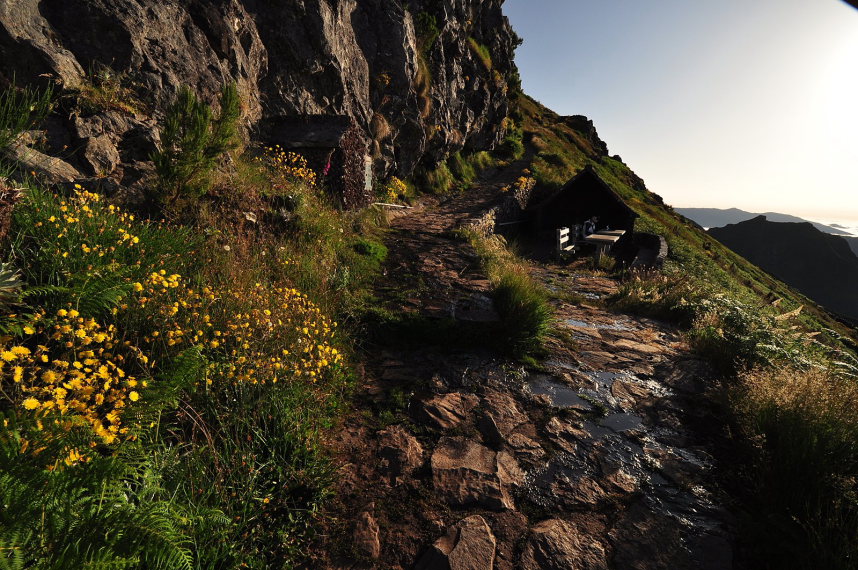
<point x="166" y="388"/>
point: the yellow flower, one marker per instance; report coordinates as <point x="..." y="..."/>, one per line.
<point x="18" y="374"/>
<point x="133" y="396"/>
<point x="138" y="287"/>
<point x="20" y="350"/>
<point x="8" y="355"/>
<point x="31" y="403"/>
<point x="29" y="330"/>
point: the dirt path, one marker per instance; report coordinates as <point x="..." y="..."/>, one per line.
<point x="597" y="460"/>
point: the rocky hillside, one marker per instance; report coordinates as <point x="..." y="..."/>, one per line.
<point x="821" y="266"/>
<point x="422" y="79"/>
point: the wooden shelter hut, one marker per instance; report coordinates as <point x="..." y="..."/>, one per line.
<point x="584" y="196"/>
<point x="335" y="148"/>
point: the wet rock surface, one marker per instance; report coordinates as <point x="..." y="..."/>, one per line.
<point x="465" y="473"/>
<point x="556" y="544"/>
<point x="599" y="459"/>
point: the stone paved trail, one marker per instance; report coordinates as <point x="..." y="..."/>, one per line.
<point x="597" y="460"/>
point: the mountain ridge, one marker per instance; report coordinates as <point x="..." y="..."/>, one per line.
<point x="718" y="217"/>
<point x="821" y="265"/>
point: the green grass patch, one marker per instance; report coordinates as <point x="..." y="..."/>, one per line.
<point x="457" y="173"/>
<point x="482" y="52"/>
<point x="521" y="302"/>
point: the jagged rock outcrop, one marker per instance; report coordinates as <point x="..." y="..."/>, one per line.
<point x="423" y="78"/>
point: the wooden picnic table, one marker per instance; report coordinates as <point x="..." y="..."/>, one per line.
<point x="602" y="240"/>
<point x="618" y="233"/>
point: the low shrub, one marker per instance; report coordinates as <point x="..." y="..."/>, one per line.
<point x="192" y="144"/>
<point x="394" y="190"/>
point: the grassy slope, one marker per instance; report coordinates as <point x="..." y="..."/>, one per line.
<point x="561" y="151"/>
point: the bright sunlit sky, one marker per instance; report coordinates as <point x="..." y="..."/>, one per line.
<point x="733" y="103"/>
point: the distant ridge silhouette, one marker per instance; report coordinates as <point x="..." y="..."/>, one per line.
<point x="820" y="265"/>
<point x="717" y="217"/>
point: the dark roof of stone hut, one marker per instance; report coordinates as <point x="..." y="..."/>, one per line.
<point x="308" y="131"/>
<point x="587" y="172"/>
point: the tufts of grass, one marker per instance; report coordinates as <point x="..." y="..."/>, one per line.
<point x="105" y="90"/>
<point x="20" y="110"/>
<point x="458" y="172"/>
<point x="521" y="302"/>
<point x="524" y="308"/>
<point x="803" y="470"/>
<point x="666" y="296"/>
<point x="482" y="52"/>
<point x="439" y="180"/>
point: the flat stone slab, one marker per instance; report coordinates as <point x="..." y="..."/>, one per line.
<point x="468" y="545"/>
<point x="555" y="544"/>
<point x="466" y="473"/>
<point x="445" y="411"/>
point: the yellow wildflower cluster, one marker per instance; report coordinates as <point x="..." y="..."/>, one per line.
<point x="78" y="214"/>
<point x="291" y="165"/>
<point x="522" y="186"/>
<point x="277" y="334"/>
<point x="80" y="377"/>
<point x="394" y="189"/>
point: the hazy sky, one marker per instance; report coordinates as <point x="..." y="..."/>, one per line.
<point x="745" y="103"/>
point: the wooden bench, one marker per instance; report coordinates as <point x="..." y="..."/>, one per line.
<point x="564" y="242"/>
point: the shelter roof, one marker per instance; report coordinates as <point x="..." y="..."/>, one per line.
<point x="588" y="173"/>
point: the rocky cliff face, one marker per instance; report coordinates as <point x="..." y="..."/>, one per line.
<point x="423" y="78"/>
